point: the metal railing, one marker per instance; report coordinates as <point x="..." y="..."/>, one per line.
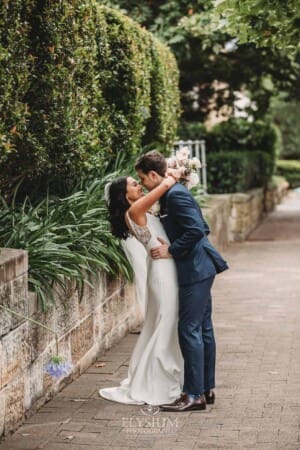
<point x="197" y="149"/>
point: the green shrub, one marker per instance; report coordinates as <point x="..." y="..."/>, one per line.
<point x="192" y="131"/>
<point x="66" y="239"/>
<point x="237" y="171"/>
<point x="92" y="84"/>
<point x="263" y="139"/>
<point x="165" y="100"/>
<point x="290" y="170"/>
<point x="126" y="82"/>
<point x="240" y="154"/>
<point x="243" y="135"/>
<point x="286" y="116"/>
<point x="15" y="69"/>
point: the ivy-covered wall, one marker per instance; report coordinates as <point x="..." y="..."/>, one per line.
<point x="79" y="83"/>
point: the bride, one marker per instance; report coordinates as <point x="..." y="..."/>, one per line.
<point x="155" y="374"/>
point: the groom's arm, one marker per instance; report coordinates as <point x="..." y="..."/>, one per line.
<point x="186" y="214"/>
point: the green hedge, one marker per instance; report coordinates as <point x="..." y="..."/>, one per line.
<point x="286" y="116"/>
<point x="230" y="165"/>
<point x="237" y="171"/>
<point x="165" y="101"/>
<point x="243" y="135"/>
<point x="90" y="83"/>
<point x="290" y="170"/>
<point x="15" y="67"/>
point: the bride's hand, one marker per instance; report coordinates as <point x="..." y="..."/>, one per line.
<point x="176" y="173"/>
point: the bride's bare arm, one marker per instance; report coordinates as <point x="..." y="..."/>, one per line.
<point x="139" y="208"/>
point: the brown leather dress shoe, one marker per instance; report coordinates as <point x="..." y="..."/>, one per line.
<point x="186" y="404"/>
<point x="178" y="400"/>
<point x="210" y="397"/>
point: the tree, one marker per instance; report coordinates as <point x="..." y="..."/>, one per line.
<point x="265" y="23"/>
<point x="213" y="65"/>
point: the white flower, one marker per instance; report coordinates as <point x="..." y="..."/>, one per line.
<point x="193" y="180"/>
<point x="182" y="155"/>
<point x="172" y="162"/>
<point x="155" y="208"/>
<point x="194" y="163"/>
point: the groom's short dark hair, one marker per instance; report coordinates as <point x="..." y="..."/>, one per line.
<point x="152" y="161"/>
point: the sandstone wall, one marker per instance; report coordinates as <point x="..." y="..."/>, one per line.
<point x="232" y="217"/>
<point x="85" y="327"/>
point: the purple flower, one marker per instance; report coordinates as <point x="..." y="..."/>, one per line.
<point x="57" y="367"/>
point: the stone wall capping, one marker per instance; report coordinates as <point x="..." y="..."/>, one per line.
<point x="13" y="263"/>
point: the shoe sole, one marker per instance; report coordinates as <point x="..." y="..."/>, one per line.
<point x="192" y="408"/>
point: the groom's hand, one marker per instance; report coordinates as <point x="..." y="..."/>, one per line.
<point x="161" y="251"/>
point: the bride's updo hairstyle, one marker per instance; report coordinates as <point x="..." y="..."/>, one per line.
<point x="117" y="206"/>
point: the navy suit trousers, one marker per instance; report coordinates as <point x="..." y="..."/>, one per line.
<point x="196" y="336"/>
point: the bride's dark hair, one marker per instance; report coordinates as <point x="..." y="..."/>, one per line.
<point x="117" y="206"/>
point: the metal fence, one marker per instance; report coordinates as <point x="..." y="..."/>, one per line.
<point x="197" y="149"/>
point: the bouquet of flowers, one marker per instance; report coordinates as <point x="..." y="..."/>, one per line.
<point x="182" y="159"/>
<point x="190" y="178"/>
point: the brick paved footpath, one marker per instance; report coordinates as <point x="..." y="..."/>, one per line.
<point x="257" y="322"/>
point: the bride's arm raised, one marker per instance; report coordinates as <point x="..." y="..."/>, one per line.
<point x="139" y="208"/>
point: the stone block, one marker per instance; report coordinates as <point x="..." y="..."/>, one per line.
<point x="14" y="406"/>
<point x="39" y="337"/>
<point x="19" y="298"/>
<point x="33" y="382"/>
<point x="98" y="323"/>
<point x="113" y="286"/>
<point x="33" y="304"/>
<point x="13" y="263"/>
<point x="82" y="338"/>
<point x="16" y="353"/>
<point x="2" y="409"/>
<point x="67" y="312"/>
<point x="6" y="318"/>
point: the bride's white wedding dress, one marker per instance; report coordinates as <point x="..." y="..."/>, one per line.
<point x="155" y="373"/>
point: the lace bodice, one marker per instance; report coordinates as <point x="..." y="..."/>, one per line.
<point x="142" y="233"/>
<point x="148" y="234"/>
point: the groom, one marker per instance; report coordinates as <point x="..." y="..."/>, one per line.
<point x="197" y="263"/>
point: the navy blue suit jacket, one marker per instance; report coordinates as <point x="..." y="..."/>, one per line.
<point x="195" y="257"/>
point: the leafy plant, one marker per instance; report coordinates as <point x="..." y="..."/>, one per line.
<point x="290" y="170"/>
<point x="236" y="171"/>
<point x="286" y="116"/>
<point x="265" y="23"/>
<point x="81" y="83"/>
<point x="66" y="239"/>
